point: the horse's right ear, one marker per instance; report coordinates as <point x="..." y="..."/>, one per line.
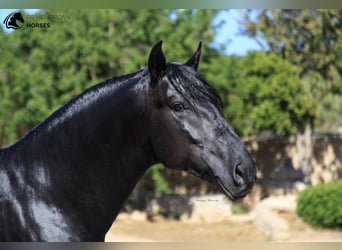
<point x="156" y="63"/>
<point x="193" y="62"/>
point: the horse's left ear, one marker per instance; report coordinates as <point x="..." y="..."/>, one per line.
<point x="156" y="63"/>
<point x="195" y="59"/>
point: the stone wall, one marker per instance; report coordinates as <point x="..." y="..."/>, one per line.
<point x="326" y="161"/>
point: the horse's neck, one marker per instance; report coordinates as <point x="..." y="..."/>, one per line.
<point x="93" y="158"/>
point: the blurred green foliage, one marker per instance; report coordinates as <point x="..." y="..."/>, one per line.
<point x="321" y="205"/>
<point x="160" y="184"/>
<point x="239" y="208"/>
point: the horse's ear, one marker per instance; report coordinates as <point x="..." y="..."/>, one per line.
<point x="195" y="59"/>
<point x="156" y="63"/>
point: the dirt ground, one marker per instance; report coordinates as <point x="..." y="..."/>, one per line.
<point x="303" y="232"/>
<point x="164" y="230"/>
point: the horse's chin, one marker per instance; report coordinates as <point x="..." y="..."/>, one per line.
<point x="226" y="191"/>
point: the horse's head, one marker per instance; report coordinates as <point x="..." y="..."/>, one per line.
<point x="188" y="130"/>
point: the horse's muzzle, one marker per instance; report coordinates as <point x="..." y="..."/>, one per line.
<point x="243" y="179"/>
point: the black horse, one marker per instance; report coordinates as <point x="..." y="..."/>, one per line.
<point x="67" y="179"/>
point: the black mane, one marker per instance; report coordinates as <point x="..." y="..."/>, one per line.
<point x="192" y="85"/>
<point x="106" y="87"/>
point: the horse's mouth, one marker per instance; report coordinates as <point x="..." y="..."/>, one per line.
<point x="226" y="191"/>
<point x="215" y="180"/>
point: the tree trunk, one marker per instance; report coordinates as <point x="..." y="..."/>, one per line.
<point x="304" y="144"/>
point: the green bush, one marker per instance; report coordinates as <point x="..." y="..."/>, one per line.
<point x="160" y="184"/>
<point x="321" y="205"/>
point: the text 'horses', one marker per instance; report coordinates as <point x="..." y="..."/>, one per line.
<point x="67" y="179"/>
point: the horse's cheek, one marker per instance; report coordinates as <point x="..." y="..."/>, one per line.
<point x="167" y="141"/>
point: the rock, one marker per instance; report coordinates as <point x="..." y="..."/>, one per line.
<point x="210" y="208"/>
<point x="138" y="216"/>
<point x="270" y="224"/>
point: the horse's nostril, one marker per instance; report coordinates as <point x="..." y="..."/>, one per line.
<point x="238" y="176"/>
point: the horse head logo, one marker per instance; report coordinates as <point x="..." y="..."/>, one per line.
<point x="11" y="21"/>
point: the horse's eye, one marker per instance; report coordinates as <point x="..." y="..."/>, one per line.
<point x="178" y="106"/>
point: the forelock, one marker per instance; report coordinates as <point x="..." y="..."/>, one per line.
<point x="192" y="85"/>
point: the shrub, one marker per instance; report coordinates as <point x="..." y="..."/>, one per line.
<point x="321" y="205"/>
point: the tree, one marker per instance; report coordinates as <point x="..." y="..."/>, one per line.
<point x="311" y="40"/>
<point x="262" y="94"/>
